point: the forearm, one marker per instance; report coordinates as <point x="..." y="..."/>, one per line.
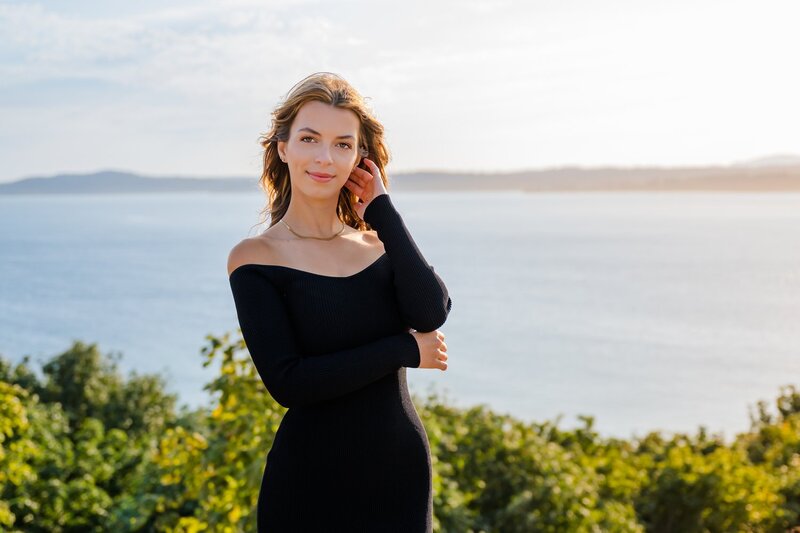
<point x="422" y="295"/>
<point x="291" y="377"/>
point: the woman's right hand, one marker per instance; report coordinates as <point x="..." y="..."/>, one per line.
<point x="432" y="349"/>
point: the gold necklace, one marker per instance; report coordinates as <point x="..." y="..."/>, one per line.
<point x="310" y="237"/>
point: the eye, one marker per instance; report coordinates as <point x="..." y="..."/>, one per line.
<point x="302" y="139"/>
<point x="349" y="146"/>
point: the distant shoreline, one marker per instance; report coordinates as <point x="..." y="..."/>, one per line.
<point x="565" y="179"/>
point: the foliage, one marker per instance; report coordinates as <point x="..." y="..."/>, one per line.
<point x="85" y="449"/>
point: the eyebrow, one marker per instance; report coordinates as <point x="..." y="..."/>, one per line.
<point x="317" y="133"/>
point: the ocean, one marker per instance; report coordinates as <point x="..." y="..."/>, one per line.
<point x="647" y="311"/>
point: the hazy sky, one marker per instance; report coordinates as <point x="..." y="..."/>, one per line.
<point x="459" y="84"/>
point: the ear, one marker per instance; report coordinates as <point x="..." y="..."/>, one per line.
<point x="282" y="150"/>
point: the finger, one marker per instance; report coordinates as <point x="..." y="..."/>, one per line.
<point x="373" y="167"/>
<point x="358" y="177"/>
<point x="444" y="347"/>
<point x="443" y="366"/>
<point x="442" y="356"/>
<point x="355" y="187"/>
<point x="363" y="174"/>
<point x="440" y="334"/>
<point x="364" y="177"/>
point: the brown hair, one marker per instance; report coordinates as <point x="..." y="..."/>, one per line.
<point x="331" y="89"/>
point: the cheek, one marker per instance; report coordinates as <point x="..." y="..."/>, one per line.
<point x="341" y="162"/>
<point x="299" y="150"/>
<point x="348" y="158"/>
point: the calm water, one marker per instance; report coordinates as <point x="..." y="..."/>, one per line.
<point x="648" y="311"/>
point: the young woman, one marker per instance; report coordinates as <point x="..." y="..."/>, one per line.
<point x="335" y="301"/>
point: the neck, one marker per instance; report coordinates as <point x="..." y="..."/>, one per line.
<point x="313" y="219"/>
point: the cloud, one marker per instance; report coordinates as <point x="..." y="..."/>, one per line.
<point x="578" y="81"/>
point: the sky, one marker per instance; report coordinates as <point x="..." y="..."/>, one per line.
<point x="185" y="88"/>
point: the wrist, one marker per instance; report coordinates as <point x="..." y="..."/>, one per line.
<point x="377" y="199"/>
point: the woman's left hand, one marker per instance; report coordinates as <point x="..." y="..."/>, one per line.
<point x="366" y="185"/>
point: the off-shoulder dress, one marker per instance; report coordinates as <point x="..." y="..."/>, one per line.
<point x="351" y="453"/>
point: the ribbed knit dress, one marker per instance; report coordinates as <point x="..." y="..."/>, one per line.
<point x="351" y="454"/>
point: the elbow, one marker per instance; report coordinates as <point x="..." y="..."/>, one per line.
<point x="280" y="396"/>
<point x="283" y="393"/>
<point x="282" y="381"/>
<point x="427" y="306"/>
<point x="289" y="394"/>
<point x="284" y="398"/>
<point x="433" y="319"/>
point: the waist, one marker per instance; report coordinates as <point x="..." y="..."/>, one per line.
<point x="383" y="408"/>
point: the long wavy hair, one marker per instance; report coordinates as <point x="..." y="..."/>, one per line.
<point x="331" y="89"/>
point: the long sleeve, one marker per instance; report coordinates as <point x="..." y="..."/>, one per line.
<point x="421" y="293"/>
<point x="291" y="378"/>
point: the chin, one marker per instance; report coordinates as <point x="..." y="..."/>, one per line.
<point x="313" y="192"/>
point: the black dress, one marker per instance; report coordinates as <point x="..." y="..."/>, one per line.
<point x="351" y="453"/>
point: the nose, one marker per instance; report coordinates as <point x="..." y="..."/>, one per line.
<point x="324" y="155"/>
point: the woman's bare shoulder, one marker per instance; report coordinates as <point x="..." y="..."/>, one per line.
<point x="249" y="250"/>
<point x="370" y="236"/>
<point x="371" y="239"/>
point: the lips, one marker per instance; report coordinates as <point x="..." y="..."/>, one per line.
<point x="321" y="177"/>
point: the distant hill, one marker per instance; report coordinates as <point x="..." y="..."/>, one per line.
<point x="613" y="179"/>
<point x="109" y="181"/>
<point x="767" y="174"/>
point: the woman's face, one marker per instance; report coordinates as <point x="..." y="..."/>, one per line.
<point x="323" y="142"/>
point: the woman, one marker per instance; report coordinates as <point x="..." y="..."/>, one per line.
<point x="335" y="301"/>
